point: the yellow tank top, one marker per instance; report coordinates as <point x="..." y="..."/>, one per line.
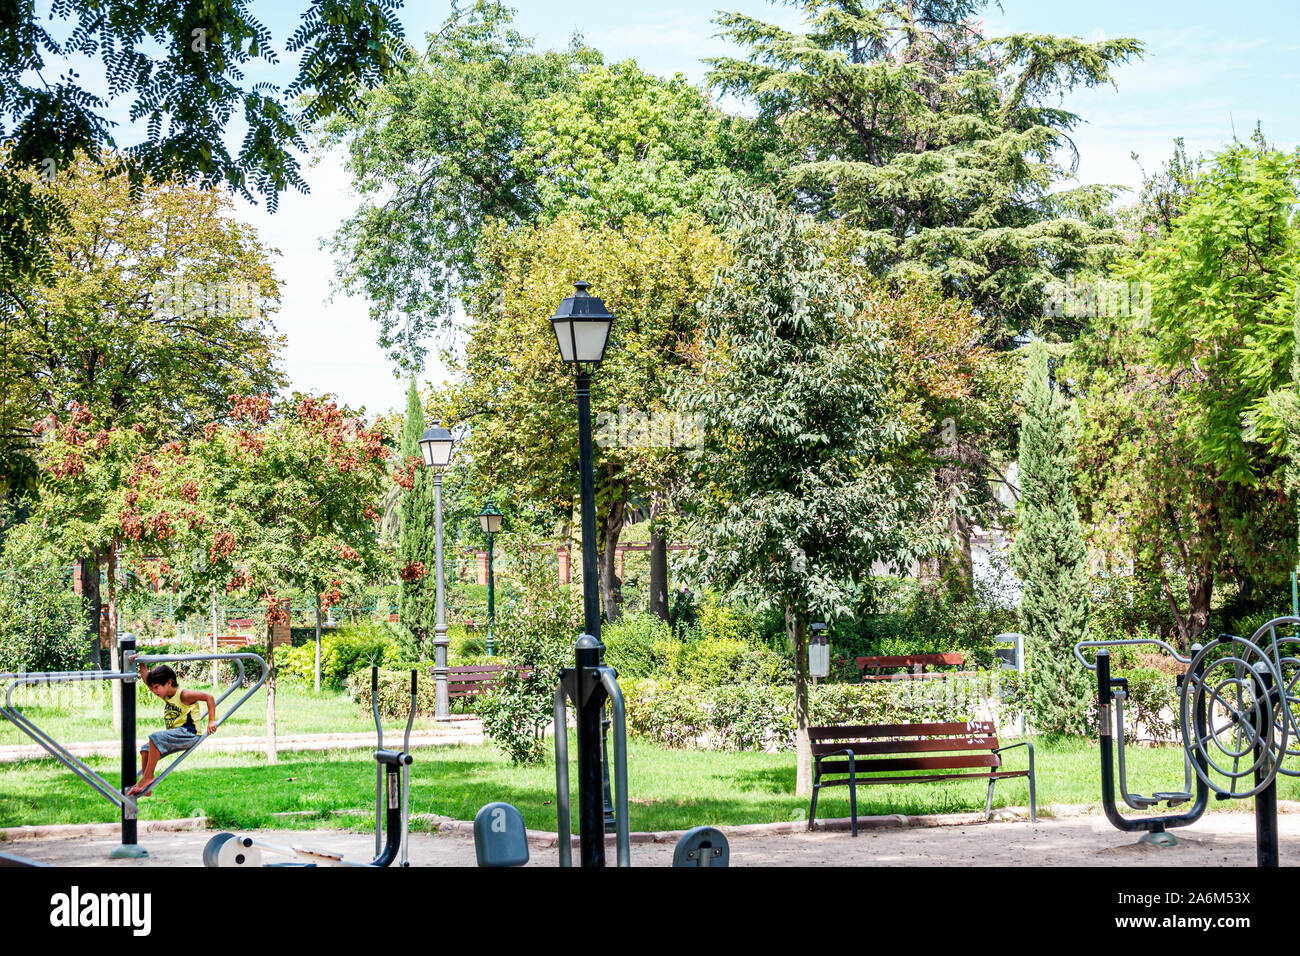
<point x="177" y="713"/>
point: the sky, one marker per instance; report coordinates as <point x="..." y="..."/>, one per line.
<point x="1210" y="70"/>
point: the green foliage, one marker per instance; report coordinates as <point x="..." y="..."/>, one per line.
<point x="534" y="639"/>
<point x="761" y="716"/>
<point x="942" y="146"/>
<point x="394" y="693"/>
<point x="1151" y="711"/>
<point x="1049" y="555"/>
<point x="344" y="652"/>
<point x="41" y="622"/>
<point x="634" y="644"/>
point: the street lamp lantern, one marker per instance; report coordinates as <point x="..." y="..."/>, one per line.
<point x="436" y="444"/>
<point x="582" y="325"/>
<point x="489" y="519"/>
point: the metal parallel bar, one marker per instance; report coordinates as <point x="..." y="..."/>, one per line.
<point x="221" y="719"/>
<point x="622" y="833"/>
<point x="63" y="756"/>
<point x="562" y="778"/>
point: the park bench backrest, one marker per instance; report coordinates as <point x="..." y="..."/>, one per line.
<point x="962" y="745"/>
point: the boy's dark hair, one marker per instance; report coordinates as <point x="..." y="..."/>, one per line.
<point x="160" y="676"/>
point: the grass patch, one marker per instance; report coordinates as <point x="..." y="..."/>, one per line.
<point x="670" y="789"/>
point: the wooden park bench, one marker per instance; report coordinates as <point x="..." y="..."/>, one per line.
<point x="472" y="680"/>
<point x="910" y="753"/>
<point x="915" y="665"/>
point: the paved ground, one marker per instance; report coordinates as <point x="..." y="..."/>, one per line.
<point x="1221" y="839"/>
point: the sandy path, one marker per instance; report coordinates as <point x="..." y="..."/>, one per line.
<point x="1221" y="839"/>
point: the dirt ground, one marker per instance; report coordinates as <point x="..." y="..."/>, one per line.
<point x="1220" y="839"/>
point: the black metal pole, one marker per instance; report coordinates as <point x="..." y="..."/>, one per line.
<point x="586" y="468"/>
<point x="590" y="582"/>
<point x="126" y="647"/>
<point x="589" y="701"/>
<point x="1266" y="836"/>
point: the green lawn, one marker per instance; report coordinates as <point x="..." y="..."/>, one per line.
<point x="670" y="789"/>
<point x="78" y="713"/>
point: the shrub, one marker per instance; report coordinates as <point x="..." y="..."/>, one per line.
<point x="344" y="651"/>
<point x="756" y="716"/>
<point x="1152" y="704"/>
<point x="534" y="638"/>
<point x="635" y="644"/>
<point x="42" y="625"/>
<point x="394" y="693"/>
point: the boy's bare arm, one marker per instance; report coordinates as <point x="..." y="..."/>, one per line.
<point x="195" y="697"/>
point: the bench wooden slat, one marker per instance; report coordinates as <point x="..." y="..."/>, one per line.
<point x="879" y="765"/>
<point x="919" y="745"/>
<point x="930" y="778"/>
<point x="947" y="659"/>
<point x="980" y="728"/>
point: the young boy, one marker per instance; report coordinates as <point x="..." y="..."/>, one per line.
<point x="180" y="716"/>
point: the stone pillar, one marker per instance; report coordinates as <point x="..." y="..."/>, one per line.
<point x="482" y="557"/>
<point x="563" y="555"/>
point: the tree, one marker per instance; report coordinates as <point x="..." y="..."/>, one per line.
<point x="1048" y="554"/>
<point x="265" y="505"/>
<point x="155" y="309"/>
<point x="939" y="144"/>
<point x="417" y="555"/>
<point x="482" y="130"/>
<point x="516" y="395"/>
<point x="793" y="493"/>
<point x="1185" y="443"/>
<point x="182" y="66"/>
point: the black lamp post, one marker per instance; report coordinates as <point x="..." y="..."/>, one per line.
<point x="436" y="445"/>
<point x="582" y="325"/>
<point x="489" y="520"/>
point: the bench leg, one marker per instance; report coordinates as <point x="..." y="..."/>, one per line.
<point x="1033" y="797"/>
<point x="988" y="802"/>
<point x="853" y="796"/>
<point x="812" y="808"/>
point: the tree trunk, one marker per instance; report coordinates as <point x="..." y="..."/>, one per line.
<point x="796" y="631"/>
<point x="94" y="606"/>
<point x="316" y="665"/>
<point x="271" y="754"/>
<point x="110" y="632"/>
<point x="658" y="575"/>
<point x="611" y="524"/>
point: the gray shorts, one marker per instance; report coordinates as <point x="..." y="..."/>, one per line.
<point x="172" y="740"/>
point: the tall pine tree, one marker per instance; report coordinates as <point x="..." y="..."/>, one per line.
<point x="417" y="605"/>
<point x="1049" y="555"/>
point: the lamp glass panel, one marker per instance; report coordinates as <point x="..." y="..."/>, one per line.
<point x="590" y="340"/>
<point x="564" y="338"/>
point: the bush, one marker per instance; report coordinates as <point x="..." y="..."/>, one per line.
<point x="755" y="716"/>
<point x="1152" y="704"/>
<point x="535" y="635"/>
<point x="394" y="693"/>
<point x="42" y="625"/>
<point x="635" y="643"/>
<point x="344" y="651"/>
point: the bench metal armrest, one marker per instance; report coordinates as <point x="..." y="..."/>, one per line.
<point x="1023" y="743"/>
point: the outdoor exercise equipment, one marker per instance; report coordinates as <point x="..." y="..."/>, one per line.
<point x="128" y="659"/>
<point x="499" y="836"/>
<point x="702" y="846"/>
<point x="392" y="810"/>
<point x="1111" y="694"/>
<point x="1236" y="717"/>
<point x="589" y="684"/>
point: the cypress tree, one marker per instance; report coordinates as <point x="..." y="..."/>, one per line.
<point x="416" y="604"/>
<point x="1049" y="555"/>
